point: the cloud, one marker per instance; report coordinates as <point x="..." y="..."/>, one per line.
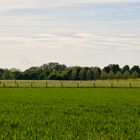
<point x="69" y="29"/>
<point x="11" y="4"/>
<point x="84" y="35"/>
<point x="68" y="49"/>
<point x="76" y="41"/>
<point x="45" y="35"/>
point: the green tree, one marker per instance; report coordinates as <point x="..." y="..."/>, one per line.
<point x="111" y="75"/>
<point x="53" y="66"/>
<point x="65" y="75"/>
<point x="135" y="68"/>
<point x="55" y="76"/>
<point x="114" y="68"/>
<point x="119" y="75"/>
<point x="42" y="76"/>
<point x="126" y="75"/>
<point x="106" y="69"/>
<point x="8" y="75"/>
<point x="33" y="73"/>
<point x="75" y="73"/>
<point x="125" y="68"/>
<point x="104" y="75"/>
<point x="59" y="76"/>
<point x="69" y="71"/>
<point x="26" y="76"/>
<point x="82" y="73"/>
<point x="96" y="73"/>
<point x="1" y="73"/>
<point x="89" y="75"/>
<point x="20" y="76"/>
<point x="135" y="75"/>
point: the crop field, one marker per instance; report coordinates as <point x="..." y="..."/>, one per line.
<point x="131" y="83"/>
<point x="69" y="114"/>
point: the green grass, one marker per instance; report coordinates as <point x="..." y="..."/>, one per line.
<point x="70" y="114"/>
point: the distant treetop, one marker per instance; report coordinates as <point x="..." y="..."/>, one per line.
<point x="56" y="71"/>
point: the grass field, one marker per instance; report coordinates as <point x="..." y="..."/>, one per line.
<point x="70" y="114"/>
<point x="131" y="83"/>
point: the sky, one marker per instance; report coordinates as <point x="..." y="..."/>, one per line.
<point x="71" y="32"/>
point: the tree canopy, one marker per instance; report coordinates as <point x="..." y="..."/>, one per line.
<point x="56" y="71"/>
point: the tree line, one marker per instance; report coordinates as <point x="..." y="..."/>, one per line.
<point x="56" y="71"/>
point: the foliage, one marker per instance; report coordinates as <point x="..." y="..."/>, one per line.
<point x="118" y="75"/>
<point x="1" y="73"/>
<point x="82" y="73"/>
<point x="111" y="75"/>
<point x="7" y="75"/>
<point x="56" y="71"/>
<point x="96" y="73"/>
<point x="89" y="75"/>
<point x="125" y="68"/>
<point x="126" y="75"/>
<point x="104" y="75"/>
<point x="135" y="75"/>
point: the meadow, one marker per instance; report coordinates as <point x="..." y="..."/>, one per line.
<point x="69" y="114"/>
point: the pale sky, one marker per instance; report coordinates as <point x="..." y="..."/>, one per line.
<point x="72" y="32"/>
